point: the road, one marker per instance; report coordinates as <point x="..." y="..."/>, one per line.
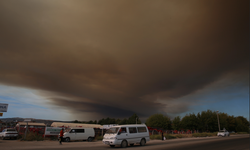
<point x="234" y="142"/>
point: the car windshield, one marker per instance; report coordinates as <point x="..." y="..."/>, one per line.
<point x="112" y="130"/>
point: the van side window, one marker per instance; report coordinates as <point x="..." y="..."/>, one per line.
<point x="79" y="130"/>
<point x="123" y="130"/>
<point x="72" y="131"/>
<point x="141" y="129"/>
<point x="132" y="130"/>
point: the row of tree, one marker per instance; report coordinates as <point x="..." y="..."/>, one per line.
<point x="131" y="120"/>
<point x="206" y="121"/>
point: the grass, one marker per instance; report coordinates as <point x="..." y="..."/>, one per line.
<point x="239" y="133"/>
<point x="158" y="136"/>
<point x="98" y="138"/>
<point x="51" y="138"/>
<point x="204" y="134"/>
<point x="32" y="137"/>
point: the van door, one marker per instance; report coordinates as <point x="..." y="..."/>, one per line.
<point x="133" y="136"/>
<point x="143" y="133"/>
<point x="72" y="134"/>
<point x="80" y="135"/>
<point x="122" y="134"/>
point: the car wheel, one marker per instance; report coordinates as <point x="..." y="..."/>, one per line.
<point x="143" y="142"/>
<point x="228" y="135"/>
<point x="67" y="139"/>
<point x="112" y="145"/>
<point x="124" y="144"/>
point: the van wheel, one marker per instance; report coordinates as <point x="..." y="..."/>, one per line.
<point x="90" y="139"/>
<point x="67" y="139"/>
<point x="143" y="142"/>
<point x="124" y="144"/>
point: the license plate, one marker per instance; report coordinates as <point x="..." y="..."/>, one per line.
<point x="106" y="142"/>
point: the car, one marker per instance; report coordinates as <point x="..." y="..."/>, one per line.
<point x="77" y="133"/>
<point x="223" y="133"/>
<point x="125" y="135"/>
<point x="9" y="133"/>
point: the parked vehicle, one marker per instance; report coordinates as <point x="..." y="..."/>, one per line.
<point x="223" y="133"/>
<point x="126" y="134"/>
<point x="9" y="133"/>
<point x="75" y="133"/>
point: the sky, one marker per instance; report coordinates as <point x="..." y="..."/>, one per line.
<point x="92" y="59"/>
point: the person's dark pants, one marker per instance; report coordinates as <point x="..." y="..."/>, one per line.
<point x="60" y="140"/>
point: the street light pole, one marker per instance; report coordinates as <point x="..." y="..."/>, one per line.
<point x="218" y="120"/>
<point x="136" y="120"/>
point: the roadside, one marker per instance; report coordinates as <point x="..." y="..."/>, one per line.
<point x="16" y="144"/>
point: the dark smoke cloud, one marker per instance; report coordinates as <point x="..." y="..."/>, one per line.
<point x="114" y="58"/>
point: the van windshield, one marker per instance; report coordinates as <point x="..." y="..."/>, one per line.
<point x="112" y="130"/>
<point x="67" y="130"/>
<point x="11" y="130"/>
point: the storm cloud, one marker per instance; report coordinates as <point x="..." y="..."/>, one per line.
<point x="114" y="58"/>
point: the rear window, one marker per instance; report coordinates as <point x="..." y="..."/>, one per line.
<point x="141" y="129"/>
<point x="11" y="130"/>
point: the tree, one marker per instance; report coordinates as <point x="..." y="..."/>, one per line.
<point x="124" y="121"/>
<point x="242" y="125"/>
<point x="231" y="121"/>
<point x="159" y="121"/>
<point x="208" y="121"/>
<point x="176" y="123"/>
<point x="223" y="121"/>
<point x="76" y="121"/>
<point x="133" y="119"/>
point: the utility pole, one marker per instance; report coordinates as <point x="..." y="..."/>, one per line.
<point x="218" y="120"/>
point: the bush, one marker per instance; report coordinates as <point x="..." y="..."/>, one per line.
<point x="204" y="134"/>
<point x="52" y="138"/>
<point x="98" y="138"/>
<point x="158" y="137"/>
<point x="168" y="136"/>
<point x="242" y="133"/>
<point x="179" y="136"/>
<point x="32" y="137"/>
<point x="155" y="137"/>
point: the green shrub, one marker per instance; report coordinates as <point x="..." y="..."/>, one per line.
<point x="52" y="138"/>
<point x="33" y="137"/>
<point x="168" y="136"/>
<point x="179" y="136"/>
<point x="242" y="133"/>
<point x="155" y="137"/>
<point x="204" y="134"/>
<point x="98" y="138"/>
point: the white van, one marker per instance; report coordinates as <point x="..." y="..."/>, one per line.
<point x="78" y="134"/>
<point x="126" y="134"/>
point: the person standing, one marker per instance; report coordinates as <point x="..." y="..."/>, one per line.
<point x="61" y="137"/>
<point x="162" y="136"/>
